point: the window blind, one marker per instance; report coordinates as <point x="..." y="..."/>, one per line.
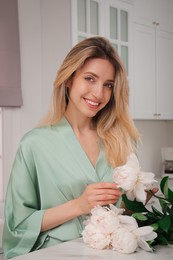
<point x="10" y="73"/>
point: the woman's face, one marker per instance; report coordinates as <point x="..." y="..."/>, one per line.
<point x="91" y="88"/>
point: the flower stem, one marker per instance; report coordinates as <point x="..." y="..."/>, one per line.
<point x="158" y="197"/>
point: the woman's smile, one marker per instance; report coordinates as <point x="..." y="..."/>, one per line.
<point x="90" y="88"/>
<point x="92" y="104"/>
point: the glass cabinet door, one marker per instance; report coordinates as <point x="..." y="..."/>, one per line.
<point x="109" y="18"/>
<point x="88" y="15"/>
<point x="118" y="29"/>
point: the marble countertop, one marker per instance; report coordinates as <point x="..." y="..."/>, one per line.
<point x="76" y="249"/>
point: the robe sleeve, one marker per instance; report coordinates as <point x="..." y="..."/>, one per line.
<point x="23" y="215"/>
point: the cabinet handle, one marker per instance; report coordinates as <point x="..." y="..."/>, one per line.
<point x="155" y="23"/>
<point x="155" y="114"/>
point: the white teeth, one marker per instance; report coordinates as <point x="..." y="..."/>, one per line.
<point x="91" y="102"/>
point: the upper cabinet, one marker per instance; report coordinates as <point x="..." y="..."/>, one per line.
<point x="110" y="18"/>
<point x="153" y="60"/>
<point x="154" y="13"/>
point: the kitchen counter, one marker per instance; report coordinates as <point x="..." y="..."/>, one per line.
<point x="76" y="249"/>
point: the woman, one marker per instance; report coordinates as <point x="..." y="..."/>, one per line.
<point x="63" y="168"/>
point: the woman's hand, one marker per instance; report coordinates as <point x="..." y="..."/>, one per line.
<point x="102" y="193"/>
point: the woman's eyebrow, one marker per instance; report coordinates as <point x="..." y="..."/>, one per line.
<point x="95" y="75"/>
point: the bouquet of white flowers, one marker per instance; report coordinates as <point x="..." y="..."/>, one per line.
<point x="126" y="230"/>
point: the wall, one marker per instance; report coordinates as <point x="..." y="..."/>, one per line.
<point x="170" y="134"/>
<point x="154" y="135"/>
<point x="45" y="38"/>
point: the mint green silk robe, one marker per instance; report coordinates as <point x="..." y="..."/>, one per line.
<point x="50" y="168"/>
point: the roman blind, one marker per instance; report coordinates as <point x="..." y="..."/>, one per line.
<point x="10" y="73"/>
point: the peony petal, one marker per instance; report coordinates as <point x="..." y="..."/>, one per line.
<point x="140" y="193"/>
<point x="147" y="178"/>
<point x="146" y="233"/>
<point x="124" y="241"/>
<point x="117" y="211"/>
<point x="144" y="245"/>
<point x="125" y="177"/>
<point x="128" y="222"/>
<point x="133" y="162"/>
<point x="130" y="195"/>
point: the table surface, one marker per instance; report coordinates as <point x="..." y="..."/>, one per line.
<point x="76" y="249"/>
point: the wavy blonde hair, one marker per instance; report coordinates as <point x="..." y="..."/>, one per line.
<point x="113" y="123"/>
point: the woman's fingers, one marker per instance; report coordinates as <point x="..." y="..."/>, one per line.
<point x="103" y="193"/>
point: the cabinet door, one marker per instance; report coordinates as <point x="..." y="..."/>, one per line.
<point x="118" y="21"/>
<point x="164" y="74"/>
<point x="144" y="102"/>
<point x="164" y="15"/>
<point x="87" y="19"/>
<point x="157" y="13"/>
<point x="145" y="11"/>
<point x="109" y="18"/>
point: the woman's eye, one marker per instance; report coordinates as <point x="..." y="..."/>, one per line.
<point x="89" y="79"/>
<point x="109" y="85"/>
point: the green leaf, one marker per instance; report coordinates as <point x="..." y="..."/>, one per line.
<point x="164" y="186"/>
<point x="162" y="239"/>
<point x="155" y="226"/>
<point x="164" y="223"/>
<point x="156" y="211"/>
<point x="164" y="205"/>
<point x="134" y="206"/>
<point x="139" y="216"/>
<point x="170" y="211"/>
<point x="170" y="195"/>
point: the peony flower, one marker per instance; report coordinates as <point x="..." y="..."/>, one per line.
<point x="128" y="222"/>
<point x="104" y="219"/>
<point x="108" y="228"/>
<point x="124" y="241"/>
<point x="144" y="234"/>
<point x="132" y="180"/>
<point x="93" y="236"/>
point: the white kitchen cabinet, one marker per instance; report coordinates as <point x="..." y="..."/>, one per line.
<point x="153" y="60"/>
<point x="164" y="74"/>
<point x="144" y="72"/>
<point x="112" y="19"/>
<point x="109" y="18"/>
<point x="153" y="75"/>
<point x="154" y="13"/>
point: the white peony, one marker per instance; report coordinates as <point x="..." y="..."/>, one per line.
<point x="124" y="241"/>
<point x="107" y="228"/>
<point x="132" y="180"/>
<point x="128" y="222"/>
<point x="144" y="234"/>
<point x="95" y="238"/>
<point x="104" y="219"/>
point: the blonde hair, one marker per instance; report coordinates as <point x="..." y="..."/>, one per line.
<point x="113" y="123"/>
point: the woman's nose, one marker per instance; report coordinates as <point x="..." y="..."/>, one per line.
<point x="98" y="91"/>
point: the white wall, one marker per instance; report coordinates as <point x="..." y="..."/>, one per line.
<point x="45" y="38"/>
<point x="170" y="134"/>
<point x="154" y="135"/>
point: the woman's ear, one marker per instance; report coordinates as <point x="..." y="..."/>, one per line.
<point x="68" y="83"/>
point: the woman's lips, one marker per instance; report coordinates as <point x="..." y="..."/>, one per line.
<point x="91" y="103"/>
